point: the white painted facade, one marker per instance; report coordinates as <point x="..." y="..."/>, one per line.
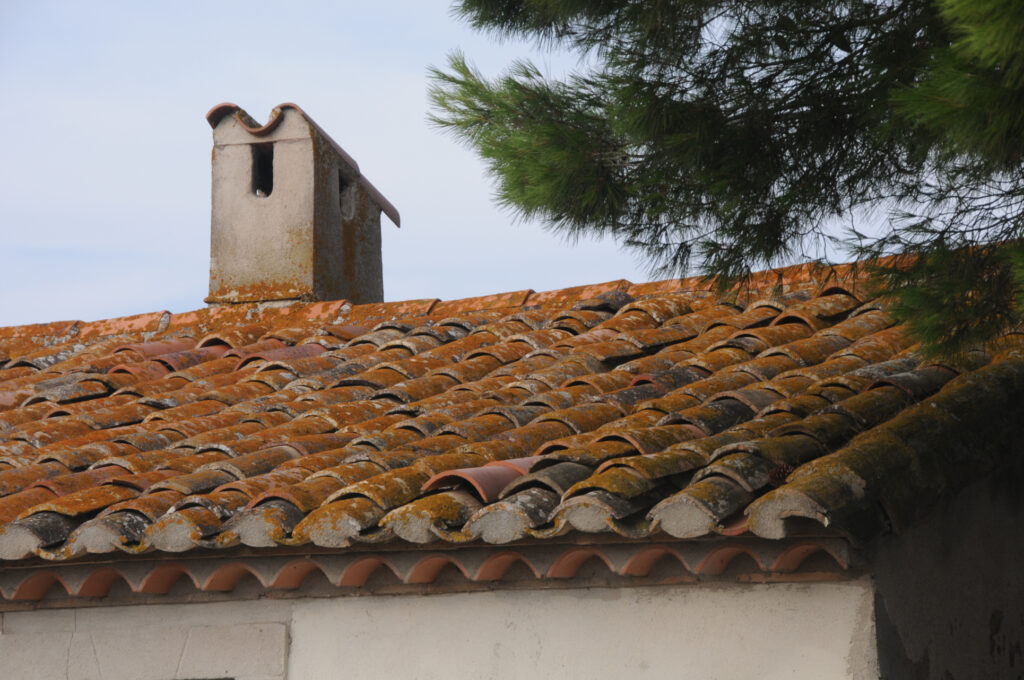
<point x="706" y="631"/>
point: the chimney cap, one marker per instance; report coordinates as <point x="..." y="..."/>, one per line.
<point x="221" y="111"/>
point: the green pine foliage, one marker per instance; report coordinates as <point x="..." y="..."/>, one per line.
<point x="955" y="299"/>
<point x="725" y="136"/>
<point x="964" y="220"/>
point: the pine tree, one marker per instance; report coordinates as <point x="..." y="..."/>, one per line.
<point x="725" y="136"/>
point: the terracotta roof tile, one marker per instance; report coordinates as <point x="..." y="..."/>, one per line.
<point x="639" y="410"/>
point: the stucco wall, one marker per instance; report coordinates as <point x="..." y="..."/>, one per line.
<point x="712" y="632"/>
<point x="951" y="589"/>
<point x="241" y="640"/>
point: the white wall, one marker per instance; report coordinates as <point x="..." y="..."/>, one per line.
<point x="239" y="640"/>
<point x="706" y="632"/>
<point x="710" y="632"/>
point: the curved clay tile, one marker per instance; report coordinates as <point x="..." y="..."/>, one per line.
<point x="486" y="482"/>
<point x="502" y="424"/>
<point x="148" y="350"/>
<point x="790" y="559"/>
<point x="718" y="560"/>
<point x="279" y="353"/>
<point x="569" y="562"/>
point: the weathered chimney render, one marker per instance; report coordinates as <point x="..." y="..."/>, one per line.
<point x="293" y="218"/>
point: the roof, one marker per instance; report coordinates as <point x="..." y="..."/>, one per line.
<point x="793" y="413"/>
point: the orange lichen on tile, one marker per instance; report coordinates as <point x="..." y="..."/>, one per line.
<point x="43" y="331"/>
<point x="138" y="323"/>
<point x="666" y="286"/>
<point x="386" y="311"/>
<point x="513" y="299"/>
<point x="192" y="321"/>
<point x="640" y="408"/>
<point x="565" y="298"/>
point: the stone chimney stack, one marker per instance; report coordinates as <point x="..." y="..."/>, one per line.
<point x="293" y="218"/>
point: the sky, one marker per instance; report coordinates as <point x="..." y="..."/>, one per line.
<point x="105" y="168"/>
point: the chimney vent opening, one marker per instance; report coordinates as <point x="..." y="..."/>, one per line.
<point x="344" y="197"/>
<point x="263" y="169"/>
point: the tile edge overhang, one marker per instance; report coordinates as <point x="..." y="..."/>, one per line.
<point x="292" y="572"/>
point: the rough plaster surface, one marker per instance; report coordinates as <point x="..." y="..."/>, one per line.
<point x="819" y="631"/>
<point x="738" y="631"/>
<point x="951" y="589"/>
<point x="238" y="640"/>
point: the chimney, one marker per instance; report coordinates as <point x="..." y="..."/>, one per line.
<point x="293" y="218"/>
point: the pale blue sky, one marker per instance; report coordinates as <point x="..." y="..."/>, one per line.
<point x="105" y="172"/>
